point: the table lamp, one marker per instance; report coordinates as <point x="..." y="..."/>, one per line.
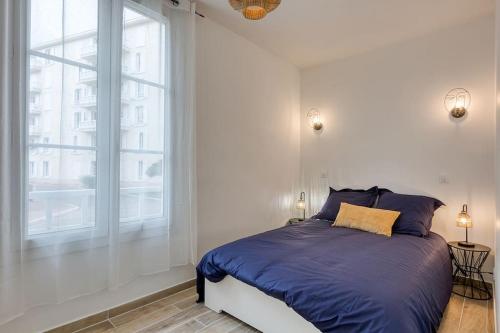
<point x="464" y="221"/>
<point x="301" y="205"/>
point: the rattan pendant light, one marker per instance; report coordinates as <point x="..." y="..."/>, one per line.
<point x="254" y="9"/>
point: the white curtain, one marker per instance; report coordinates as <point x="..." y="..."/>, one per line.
<point x="60" y="266"/>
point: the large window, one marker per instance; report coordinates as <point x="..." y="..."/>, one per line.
<point x="142" y="169"/>
<point x="61" y="197"/>
<point x="68" y="129"/>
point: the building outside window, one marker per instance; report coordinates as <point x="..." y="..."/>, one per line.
<point x="141" y="140"/>
<point x="46" y="141"/>
<point x="77" y="119"/>
<point x="140" y="169"/>
<point x="140" y="90"/>
<point x="138" y="62"/>
<point x="45" y="171"/>
<point x="68" y="110"/>
<point x="32" y="169"/>
<point x="139" y="114"/>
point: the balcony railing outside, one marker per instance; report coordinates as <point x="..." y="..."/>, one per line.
<point x="35" y="108"/>
<point x="63" y="210"/>
<point x="87" y="75"/>
<point x="87" y="125"/>
<point x="89" y="51"/>
<point x="86" y="101"/>
<point x="35" y="130"/>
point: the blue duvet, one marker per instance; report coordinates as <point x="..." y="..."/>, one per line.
<point x="342" y="280"/>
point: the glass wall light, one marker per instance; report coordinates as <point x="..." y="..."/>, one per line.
<point x="457" y="102"/>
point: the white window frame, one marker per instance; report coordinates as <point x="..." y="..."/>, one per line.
<point x="105" y="10"/>
<point x="134" y="225"/>
<point x="108" y="125"/>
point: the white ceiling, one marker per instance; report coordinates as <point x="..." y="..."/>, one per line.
<point x="311" y="32"/>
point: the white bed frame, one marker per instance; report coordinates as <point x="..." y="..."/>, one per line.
<point x="255" y="308"/>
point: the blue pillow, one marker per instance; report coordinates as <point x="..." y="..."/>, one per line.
<point x="416" y="212"/>
<point x="331" y="207"/>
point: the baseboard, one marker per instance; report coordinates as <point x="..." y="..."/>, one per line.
<point x="115" y="311"/>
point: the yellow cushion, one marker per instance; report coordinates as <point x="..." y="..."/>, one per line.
<point x="378" y="221"/>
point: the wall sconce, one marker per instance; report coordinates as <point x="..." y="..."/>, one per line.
<point x="315" y="119"/>
<point x="301" y="205"/>
<point x="457" y="101"/>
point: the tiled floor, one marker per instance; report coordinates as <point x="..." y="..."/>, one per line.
<point x="180" y="314"/>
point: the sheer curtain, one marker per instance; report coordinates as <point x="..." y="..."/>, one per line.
<point x="65" y="232"/>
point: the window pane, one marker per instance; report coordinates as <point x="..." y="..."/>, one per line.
<point x="44" y="101"/>
<point x="80" y="31"/>
<point x="79" y="116"/>
<point x="62" y="104"/>
<point x="143" y="54"/>
<point x="61" y="190"/>
<point x="141" y="186"/>
<point x="142" y="115"/>
<point x="46" y="26"/>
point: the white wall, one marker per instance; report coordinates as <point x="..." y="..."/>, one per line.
<point x="42" y="318"/>
<point x="497" y="157"/>
<point x="248" y="137"/>
<point x="385" y="124"/>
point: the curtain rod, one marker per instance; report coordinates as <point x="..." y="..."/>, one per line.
<point x="176" y="3"/>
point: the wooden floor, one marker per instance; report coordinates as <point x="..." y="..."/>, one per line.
<point x="464" y="315"/>
<point x="180" y="314"/>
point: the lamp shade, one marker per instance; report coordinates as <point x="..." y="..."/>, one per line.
<point x="457" y="102"/>
<point x="301" y="203"/>
<point x="463" y="218"/>
<point x="255" y="9"/>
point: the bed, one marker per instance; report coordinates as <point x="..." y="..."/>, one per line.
<point x="311" y="277"/>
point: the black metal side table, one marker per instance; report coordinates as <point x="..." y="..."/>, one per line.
<point x="468" y="280"/>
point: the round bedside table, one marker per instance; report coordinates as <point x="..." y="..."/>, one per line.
<point x="467" y="274"/>
<point x="294" y="220"/>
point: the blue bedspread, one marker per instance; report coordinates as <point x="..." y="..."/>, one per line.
<point x="342" y="280"/>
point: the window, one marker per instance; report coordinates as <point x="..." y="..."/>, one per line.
<point x="140" y="90"/>
<point x="66" y="36"/>
<point x="58" y="31"/>
<point x="45" y="172"/>
<point x="140" y="169"/>
<point x="141" y="140"/>
<point x="32" y="169"/>
<point x="93" y="168"/>
<point x="139" y="114"/>
<point x="77" y="119"/>
<point x="138" y="62"/>
<point x="141" y="173"/>
<point x="77" y="95"/>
